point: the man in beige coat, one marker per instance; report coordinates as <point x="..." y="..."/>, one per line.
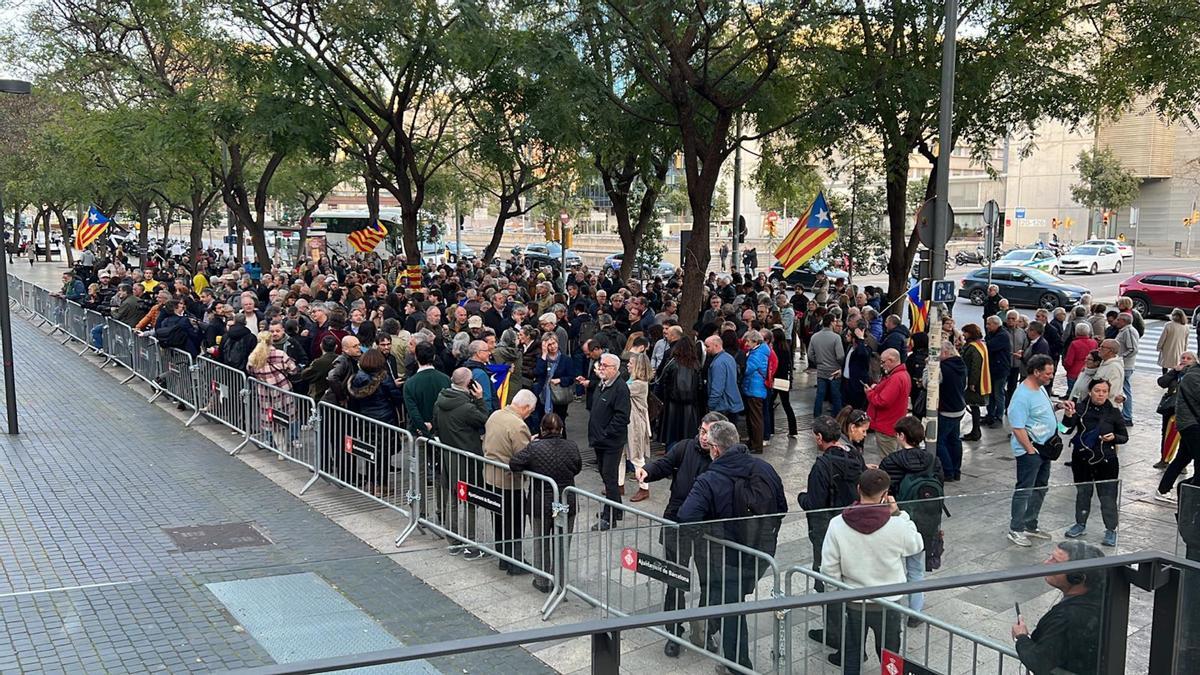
<point x="504" y="435"/>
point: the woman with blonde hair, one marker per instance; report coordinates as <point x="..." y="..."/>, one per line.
<point x="637" y="449"/>
<point x="1173" y="341"/>
<point x="273" y="367"/>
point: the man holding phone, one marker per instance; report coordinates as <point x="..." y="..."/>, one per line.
<point x="1031" y="413"/>
<point x="1067" y="638"/>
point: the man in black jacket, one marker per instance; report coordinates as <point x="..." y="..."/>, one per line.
<point x="608" y="430"/>
<point x="459" y="417"/>
<point x="1067" y="638"/>
<point x="999" y="349"/>
<point x="683" y="462"/>
<point x="832" y="486"/>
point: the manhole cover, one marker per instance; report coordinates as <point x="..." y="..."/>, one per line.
<point x="215" y="537"/>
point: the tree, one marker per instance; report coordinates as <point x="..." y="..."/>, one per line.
<point x="1103" y="182"/>
<point x="705" y="64"/>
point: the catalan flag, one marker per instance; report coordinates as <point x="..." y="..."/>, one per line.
<point x="809" y="236"/>
<point x="94" y="224"/>
<point x="918" y="311"/>
<point x="985" y="372"/>
<point x="366" y="239"/>
<point x="1170" y="444"/>
<point x="500" y="374"/>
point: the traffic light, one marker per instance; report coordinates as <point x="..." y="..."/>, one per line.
<point x="742" y="231"/>
<point x="1105" y="218"/>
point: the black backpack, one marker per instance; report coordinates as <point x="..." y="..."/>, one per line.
<point x="753" y="504"/>
<point x="922" y="495"/>
<point x="843" y="483"/>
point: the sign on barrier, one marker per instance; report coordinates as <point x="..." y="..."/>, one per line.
<point x="366" y="455"/>
<point x="477" y="496"/>
<point x="671" y="574"/>
<point x="277" y="419"/>
<point x="118" y="343"/>
<point x="221" y="394"/>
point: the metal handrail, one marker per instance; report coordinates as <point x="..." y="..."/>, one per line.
<point x="625" y="623"/>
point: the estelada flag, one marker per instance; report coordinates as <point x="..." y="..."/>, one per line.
<point x="918" y="311"/>
<point x="500" y="374"/>
<point x="366" y="239"/>
<point x="94" y="224"/>
<point x="809" y="236"/>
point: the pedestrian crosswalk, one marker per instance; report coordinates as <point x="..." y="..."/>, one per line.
<point x="1147" y="356"/>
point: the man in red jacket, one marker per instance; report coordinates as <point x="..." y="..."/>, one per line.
<point x="887" y="401"/>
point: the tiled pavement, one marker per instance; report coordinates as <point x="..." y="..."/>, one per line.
<point x="974" y="534"/>
<point x="85" y="491"/>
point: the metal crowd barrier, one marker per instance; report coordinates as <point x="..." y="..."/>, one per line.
<point x="95" y="321"/>
<point x="278" y="420"/>
<point x="74" y="323"/>
<point x="146" y="363"/>
<point x="118" y="343"/>
<point x="177" y="378"/>
<point x="466" y="486"/>
<point x="366" y="455"/>
<point x="221" y="394"/>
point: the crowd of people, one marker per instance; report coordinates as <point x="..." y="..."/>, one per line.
<point x="691" y="402"/>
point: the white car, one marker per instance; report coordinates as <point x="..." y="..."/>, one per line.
<point x="1092" y="258"/>
<point x="1038" y="258"/>
<point x="1125" y="249"/>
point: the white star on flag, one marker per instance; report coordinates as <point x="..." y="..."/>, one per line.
<point x="822" y="216"/>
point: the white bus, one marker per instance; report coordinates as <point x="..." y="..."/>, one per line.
<point x="335" y="226"/>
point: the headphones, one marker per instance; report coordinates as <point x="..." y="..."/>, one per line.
<point x="1077" y="550"/>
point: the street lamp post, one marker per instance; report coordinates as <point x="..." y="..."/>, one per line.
<point x="22" y="88"/>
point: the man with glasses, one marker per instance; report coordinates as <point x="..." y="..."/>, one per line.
<point x="1031" y="413"/>
<point x="478" y="356"/>
<point x="608" y="430"/>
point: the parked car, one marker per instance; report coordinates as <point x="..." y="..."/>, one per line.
<point x="1125" y="249"/>
<point x="551" y="250"/>
<point x="437" y="248"/>
<point x="1160" y="292"/>
<point x="1023" y="286"/>
<point x="1091" y="258"/>
<point x="663" y="270"/>
<point x="1035" y="258"/>
<point x="806" y="274"/>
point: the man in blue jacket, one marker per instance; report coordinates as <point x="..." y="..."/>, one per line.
<point x="999" y="359"/>
<point x="754" y="387"/>
<point x="717" y="494"/>
<point x="896" y="337"/>
<point x="723" y="394"/>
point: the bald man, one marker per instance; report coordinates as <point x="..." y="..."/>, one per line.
<point x="887" y="401"/>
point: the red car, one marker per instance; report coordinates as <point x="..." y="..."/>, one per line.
<point x="1160" y="292"/>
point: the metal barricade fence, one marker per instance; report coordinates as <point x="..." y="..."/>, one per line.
<point x="74" y="323"/>
<point x="147" y="359"/>
<point x="281" y="421"/>
<point x="369" y="456"/>
<point x="222" y="395"/>
<point x="176" y="378"/>
<point x="800" y="656"/>
<point x="459" y="490"/>
<point x="118" y="343"/>
<point x="96" y="329"/>
<point x="41" y="304"/>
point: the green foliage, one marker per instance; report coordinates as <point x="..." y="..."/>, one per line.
<point x="1104" y="183"/>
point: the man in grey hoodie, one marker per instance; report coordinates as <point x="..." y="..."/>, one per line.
<point x="827" y="354"/>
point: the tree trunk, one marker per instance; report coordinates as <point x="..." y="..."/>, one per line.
<point x="68" y="242"/>
<point x="695" y="266"/>
<point x="489" y="251"/>
<point x="198" y="211"/>
<point x="143" y="214"/>
<point x="44" y="216"/>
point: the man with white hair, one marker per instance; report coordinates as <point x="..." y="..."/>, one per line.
<point x="608" y="431"/>
<point x="504" y="435"/>
<point x="478" y="356"/>
<point x="548" y="322"/>
<point x="1127" y="338"/>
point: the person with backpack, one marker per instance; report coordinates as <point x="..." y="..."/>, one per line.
<point x="866" y="546"/>
<point x="918" y="483"/>
<point x="830" y="488"/>
<point x="746" y="494"/>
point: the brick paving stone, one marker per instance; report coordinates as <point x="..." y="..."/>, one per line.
<point x="84" y="492"/>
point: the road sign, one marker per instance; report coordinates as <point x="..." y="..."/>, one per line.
<point x="1134" y="214"/>
<point x="943" y="291"/>
<point x="230" y="239"/>
<point x="991" y="213"/>
<point x="925" y="224"/>
<point x="1019" y="213"/>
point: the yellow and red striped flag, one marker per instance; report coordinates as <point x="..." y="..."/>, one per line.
<point x="1170" y="441"/>
<point x="809" y="236"/>
<point x="94" y="224"/>
<point x="366" y="239"/>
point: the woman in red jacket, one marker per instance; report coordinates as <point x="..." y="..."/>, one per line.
<point x="1081" y="346"/>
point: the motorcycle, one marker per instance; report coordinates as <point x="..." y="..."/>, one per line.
<point x="977" y="256"/>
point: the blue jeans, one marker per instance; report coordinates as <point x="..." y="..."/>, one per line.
<point x="996" y="403"/>
<point x="98" y="337"/>
<point x="949" y="445"/>
<point x="1033" y="475"/>
<point x="1126" y="389"/>
<point x="830" y="388"/>
<point x="914" y="570"/>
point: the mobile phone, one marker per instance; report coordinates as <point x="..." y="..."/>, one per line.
<point x="1017" y="607"/>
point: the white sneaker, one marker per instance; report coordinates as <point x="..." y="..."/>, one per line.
<point x="1038" y="534"/>
<point x="1019" y="538"/>
<point x="1168" y="498"/>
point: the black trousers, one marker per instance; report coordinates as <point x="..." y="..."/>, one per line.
<point x="1085" y="474"/>
<point x="610" y="465"/>
<point x="508" y="526"/>
<point x="833" y="613"/>
<point x="1188" y="453"/>
<point x="681" y="549"/>
<point x="884" y="623"/>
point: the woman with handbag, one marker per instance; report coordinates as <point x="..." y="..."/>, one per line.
<point x="782" y="384"/>
<point x="553" y="377"/>
<point x="1169" y="381"/>
<point x="1099" y="429"/>
<point x="637" y="447"/>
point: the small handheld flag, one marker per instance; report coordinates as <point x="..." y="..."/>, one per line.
<point x="918" y="311"/>
<point x="500" y="375"/>
<point x="366" y="239"/>
<point x="94" y="224"/>
<point x="809" y="236"/>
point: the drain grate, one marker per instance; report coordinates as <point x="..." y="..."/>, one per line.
<point x="219" y="537"/>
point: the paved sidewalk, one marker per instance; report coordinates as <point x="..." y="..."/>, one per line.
<point x="86" y="492"/>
